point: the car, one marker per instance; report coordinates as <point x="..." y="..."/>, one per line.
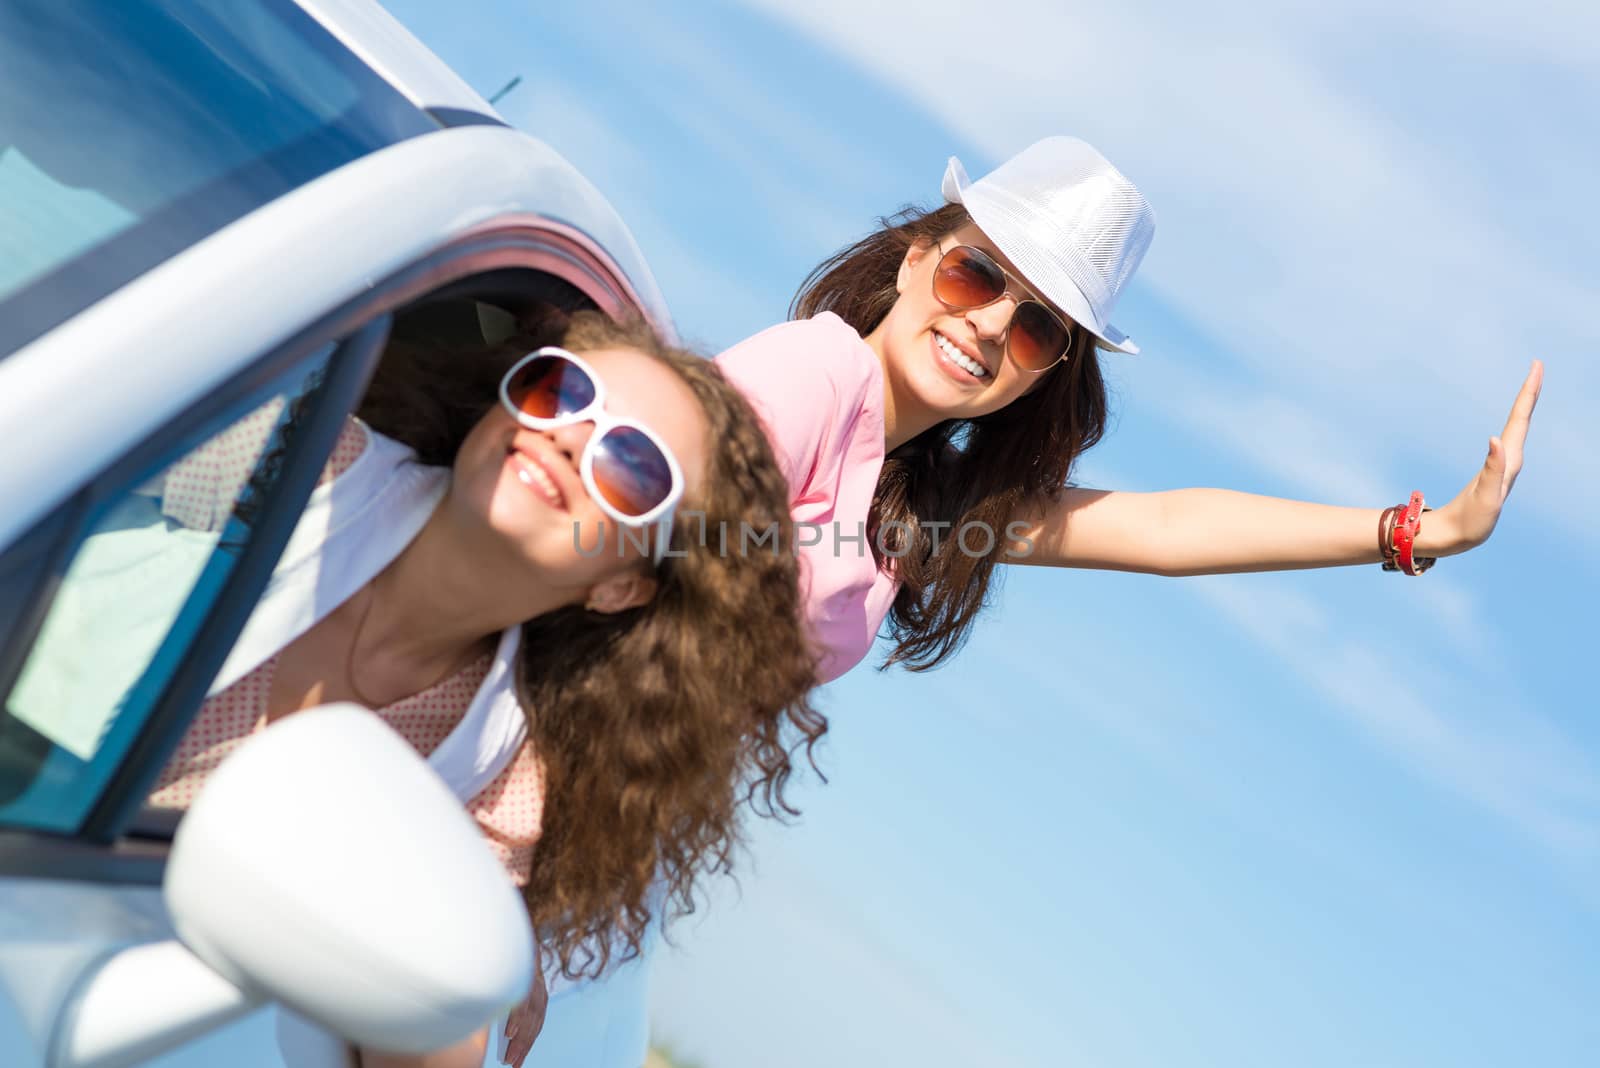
<point x="211" y="209"/>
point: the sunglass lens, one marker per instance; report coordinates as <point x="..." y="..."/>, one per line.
<point x="966" y="278"/>
<point x="630" y="471"/>
<point x="549" y="387"/>
<point x="1038" y="337"/>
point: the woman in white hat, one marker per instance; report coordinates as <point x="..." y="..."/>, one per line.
<point x="927" y="405"/>
<point x="939" y="382"/>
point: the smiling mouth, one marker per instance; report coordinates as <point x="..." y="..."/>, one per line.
<point x="959" y="358"/>
<point x="533" y="475"/>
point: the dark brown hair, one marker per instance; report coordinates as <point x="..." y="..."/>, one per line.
<point x="655" y="724"/>
<point x="995" y="469"/>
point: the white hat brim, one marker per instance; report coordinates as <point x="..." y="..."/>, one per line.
<point x="1061" y="292"/>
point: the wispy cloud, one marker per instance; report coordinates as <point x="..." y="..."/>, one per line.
<point x="1496" y="750"/>
<point x="1282" y="435"/>
<point x="788" y="915"/>
<point x="1344" y="243"/>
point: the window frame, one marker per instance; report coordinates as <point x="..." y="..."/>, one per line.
<point x="34" y="564"/>
<point x="345" y="373"/>
<point x="349" y="368"/>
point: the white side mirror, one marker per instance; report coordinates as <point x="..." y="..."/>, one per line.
<point x="327" y="866"/>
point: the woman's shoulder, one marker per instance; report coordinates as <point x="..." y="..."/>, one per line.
<point x="818" y="389"/>
<point x="353" y="440"/>
<point x="361" y="448"/>
<point x="824" y="335"/>
<point x="824" y="327"/>
<point x="818" y="357"/>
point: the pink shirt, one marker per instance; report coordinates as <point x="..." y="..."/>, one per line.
<point x="819" y="389"/>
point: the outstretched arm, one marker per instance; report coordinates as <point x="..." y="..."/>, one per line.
<point x="1213" y="531"/>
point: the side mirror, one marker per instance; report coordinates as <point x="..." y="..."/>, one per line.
<point x="327" y="867"/>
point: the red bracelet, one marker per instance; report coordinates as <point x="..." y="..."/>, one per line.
<point x="1400" y="544"/>
<point x="1405" y="533"/>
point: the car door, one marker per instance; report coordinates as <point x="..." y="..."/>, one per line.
<point x="122" y="604"/>
<point x="129" y="135"/>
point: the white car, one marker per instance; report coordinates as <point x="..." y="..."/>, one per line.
<point x="208" y="208"/>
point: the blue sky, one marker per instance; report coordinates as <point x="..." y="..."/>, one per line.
<point x="1322" y="818"/>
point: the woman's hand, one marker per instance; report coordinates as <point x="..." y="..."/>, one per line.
<point x="526" y="1020"/>
<point x="468" y="1053"/>
<point x="1467" y="521"/>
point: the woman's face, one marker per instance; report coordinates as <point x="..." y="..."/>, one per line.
<point x="523" y="487"/>
<point x="926" y="383"/>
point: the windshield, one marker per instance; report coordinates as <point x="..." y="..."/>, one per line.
<point x="130" y="130"/>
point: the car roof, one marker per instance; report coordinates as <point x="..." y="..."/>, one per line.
<point x="459" y="182"/>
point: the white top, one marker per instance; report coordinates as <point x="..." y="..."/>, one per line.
<point x="351" y="529"/>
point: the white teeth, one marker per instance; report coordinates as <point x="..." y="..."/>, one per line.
<point x="959" y="358"/>
<point x="532" y="475"/>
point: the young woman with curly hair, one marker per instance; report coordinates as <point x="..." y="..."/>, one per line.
<point x="602" y="685"/>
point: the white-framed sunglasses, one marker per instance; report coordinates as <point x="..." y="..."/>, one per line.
<point x="626" y="467"/>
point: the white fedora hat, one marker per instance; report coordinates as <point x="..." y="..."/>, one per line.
<point x="1072" y="224"/>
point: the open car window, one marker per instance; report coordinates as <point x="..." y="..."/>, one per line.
<point x="145" y="570"/>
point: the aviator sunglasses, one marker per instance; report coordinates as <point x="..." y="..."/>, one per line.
<point x="1036" y="338"/>
<point x="625" y="466"/>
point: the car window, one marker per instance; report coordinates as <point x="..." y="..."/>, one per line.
<point x="140" y="583"/>
<point x="130" y="130"/>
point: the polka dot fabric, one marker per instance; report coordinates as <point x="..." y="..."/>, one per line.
<point x="224" y="722"/>
<point x="200" y="490"/>
<point x="509" y="810"/>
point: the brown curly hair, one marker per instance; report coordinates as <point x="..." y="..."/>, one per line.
<point x="656" y="724"/>
<point x="994" y="469"/>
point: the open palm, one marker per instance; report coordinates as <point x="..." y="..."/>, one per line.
<point x="1473" y="513"/>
